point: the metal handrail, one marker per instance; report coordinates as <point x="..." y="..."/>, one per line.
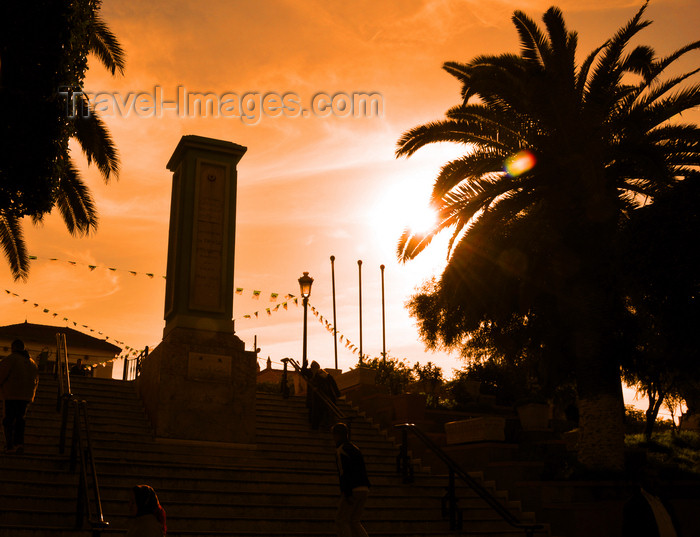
<point x="327" y="400"/>
<point x="87" y="468"/>
<point x="63" y="375"/>
<point x="405" y="467"/>
<point x="66" y="400"/>
<point x="133" y="365"/>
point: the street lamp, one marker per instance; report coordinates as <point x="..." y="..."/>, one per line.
<point x="305" y="288"/>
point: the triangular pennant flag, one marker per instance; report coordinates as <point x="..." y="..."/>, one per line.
<point x="246" y="316"/>
<point x="268" y="311"/>
<point x="32" y="257"/>
<point x="150" y="274"/>
<point x="256" y="314"/>
<point x="45" y="310"/>
<point x="72" y="263"/>
<point x="256" y="294"/>
<point x="239" y="290"/>
<point x="277" y="307"/>
<point x="133" y="273"/>
<point x="112" y="269"/>
<point x="92" y="267"/>
<point x="284" y="305"/>
<point x="273" y="297"/>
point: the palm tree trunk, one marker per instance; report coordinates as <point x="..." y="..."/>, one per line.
<point x="601" y="441"/>
<point x="593" y="312"/>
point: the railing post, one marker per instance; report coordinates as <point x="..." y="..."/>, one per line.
<point x="65" y="406"/>
<point x="449" y="504"/>
<point x="284" y="386"/>
<point x="74" y="443"/>
<point x="99" y="523"/>
<point x="80" y="506"/>
<point x="125" y="373"/>
<point x="403" y="461"/>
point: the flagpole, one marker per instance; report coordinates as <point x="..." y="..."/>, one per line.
<point x="381" y="267"/>
<point x="335" y="330"/>
<point x="359" y="273"/>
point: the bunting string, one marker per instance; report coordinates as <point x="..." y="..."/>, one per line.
<point x="130" y="351"/>
<point x="150" y="275"/>
<point x="254" y="293"/>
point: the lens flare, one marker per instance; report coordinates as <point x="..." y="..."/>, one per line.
<point x="523" y="161"/>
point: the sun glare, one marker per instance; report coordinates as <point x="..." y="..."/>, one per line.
<point x="399" y="210"/>
<point x="421" y="220"/>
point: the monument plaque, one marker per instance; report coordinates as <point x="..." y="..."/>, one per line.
<point x="210" y="237"/>
<point x="216" y="367"/>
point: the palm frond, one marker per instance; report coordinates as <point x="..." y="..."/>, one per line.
<point x="661" y="65"/>
<point x="104" y="44"/>
<point x="13" y="245"/>
<point x="562" y="61"/>
<point x="75" y="202"/>
<point x="533" y="43"/>
<point x="411" y="244"/>
<point x="645" y="98"/>
<point x="608" y="71"/>
<point x="474" y="165"/>
<point x="96" y="142"/>
<point x="584" y="70"/>
<point x="663" y="109"/>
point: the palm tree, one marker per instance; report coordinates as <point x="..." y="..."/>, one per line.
<point x="70" y="194"/>
<point x="597" y="141"/>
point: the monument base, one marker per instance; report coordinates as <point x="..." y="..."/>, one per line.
<point x="200" y="386"/>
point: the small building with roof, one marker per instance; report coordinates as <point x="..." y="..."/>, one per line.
<point x="95" y="353"/>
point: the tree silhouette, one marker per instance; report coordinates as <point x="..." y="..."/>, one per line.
<point x="38" y="70"/>
<point x="559" y="155"/>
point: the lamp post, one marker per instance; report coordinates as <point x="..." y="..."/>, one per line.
<point x="305" y="288"/>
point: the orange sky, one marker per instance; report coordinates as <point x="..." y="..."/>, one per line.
<point x="309" y="187"/>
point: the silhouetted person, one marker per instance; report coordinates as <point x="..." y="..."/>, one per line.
<point x="19" y="377"/>
<point x="78" y="369"/>
<point x="148" y="515"/>
<point x="43" y="359"/>
<point x="354" y="484"/>
<point x="319" y="382"/>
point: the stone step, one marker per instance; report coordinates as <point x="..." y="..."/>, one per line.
<point x="54" y="498"/>
<point x="284" y="485"/>
<point x="309" y="519"/>
<point x="33" y="531"/>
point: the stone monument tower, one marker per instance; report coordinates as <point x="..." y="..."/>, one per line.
<point x="199" y="383"/>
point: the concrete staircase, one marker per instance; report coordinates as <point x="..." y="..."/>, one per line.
<point x="284" y="486"/>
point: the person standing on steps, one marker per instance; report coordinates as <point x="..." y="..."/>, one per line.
<point x="354" y="484"/>
<point x="148" y="516"/>
<point x="320" y="385"/>
<point x="19" y="377"/>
